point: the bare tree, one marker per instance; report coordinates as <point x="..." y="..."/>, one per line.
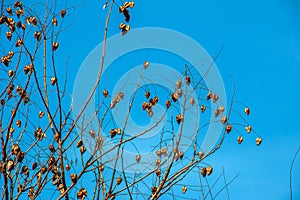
<point x="44" y="148"/>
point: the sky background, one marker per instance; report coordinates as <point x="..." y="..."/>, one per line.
<point x="261" y="51"/>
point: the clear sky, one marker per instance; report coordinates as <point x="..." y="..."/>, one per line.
<point x="261" y="51"/>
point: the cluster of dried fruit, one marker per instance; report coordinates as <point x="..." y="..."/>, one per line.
<point x="39" y="134"/>
<point x="116" y="100"/>
<point x="147" y="106"/>
<point x="7" y="58"/>
<point x="80" y="145"/>
<point x="178" y="154"/>
<point x="114" y="132"/>
<point x="206" y="171"/>
<point x="124" y="9"/>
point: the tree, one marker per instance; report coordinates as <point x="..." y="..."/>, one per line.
<point x="44" y="146"/>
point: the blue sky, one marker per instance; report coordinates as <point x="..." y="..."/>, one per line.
<point x="261" y="51"/>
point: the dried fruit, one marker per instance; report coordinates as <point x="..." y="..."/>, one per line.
<point x="51" y="148"/>
<point x="10" y="165"/>
<point x="105" y="5"/>
<point x="82" y="149"/>
<point x="54" y="21"/>
<point x="203" y="171"/>
<point x="188" y="80"/>
<point x="192" y="101"/>
<point x="203" y="108"/>
<point x="209" y="170"/>
<point x="10" y="73"/>
<point x="20" y="156"/>
<point x="53" y="80"/>
<point x="223" y="119"/>
<point x="37" y="35"/>
<point x="248" y="129"/>
<point x="209" y="96"/>
<point x="138" y="158"/>
<point x="181" y="154"/>
<point x="228" y="128"/>
<point x="92" y="133"/>
<point x="9" y="10"/>
<point x="105" y="93"/>
<point x="179" y="93"/>
<point x="240" y="139"/>
<point x="146" y="65"/>
<point x="9" y="35"/>
<point x="164" y="151"/>
<point x="174" y="97"/>
<point x="184" y="189"/>
<point x="179" y="118"/>
<point x="63" y="13"/>
<point x="258" y="141"/>
<point x="157" y="162"/>
<point x="74" y="178"/>
<point x="178" y="84"/>
<point x="115" y="131"/>
<point x="82" y="193"/>
<point x="79" y="143"/>
<point x="247" y="111"/>
<point x="28" y="68"/>
<point x="18" y="4"/>
<point x="119" y="180"/>
<point x="68" y="167"/>
<point x="41" y="114"/>
<point x="215" y="98"/>
<point x="34" y="165"/>
<point x="168" y="103"/>
<point x="125" y="28"/>
<point x="158" y="172"/>
<point x="18" y="123"/>
<point x="153" y="189"/>
<point x="200" y="154"/>
<point x="15" y="149"/>
<point x="55" y="46"/>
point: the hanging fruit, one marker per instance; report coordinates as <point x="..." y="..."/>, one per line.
<point x="258" y="141"/>
<point x="240" y="139"/>
<point x="146" y="65"/>
<point x="188" y="80"/>
<point x="248" y="129"/>
<point x="247" y="111"/>
<point x="228" y="128"/>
